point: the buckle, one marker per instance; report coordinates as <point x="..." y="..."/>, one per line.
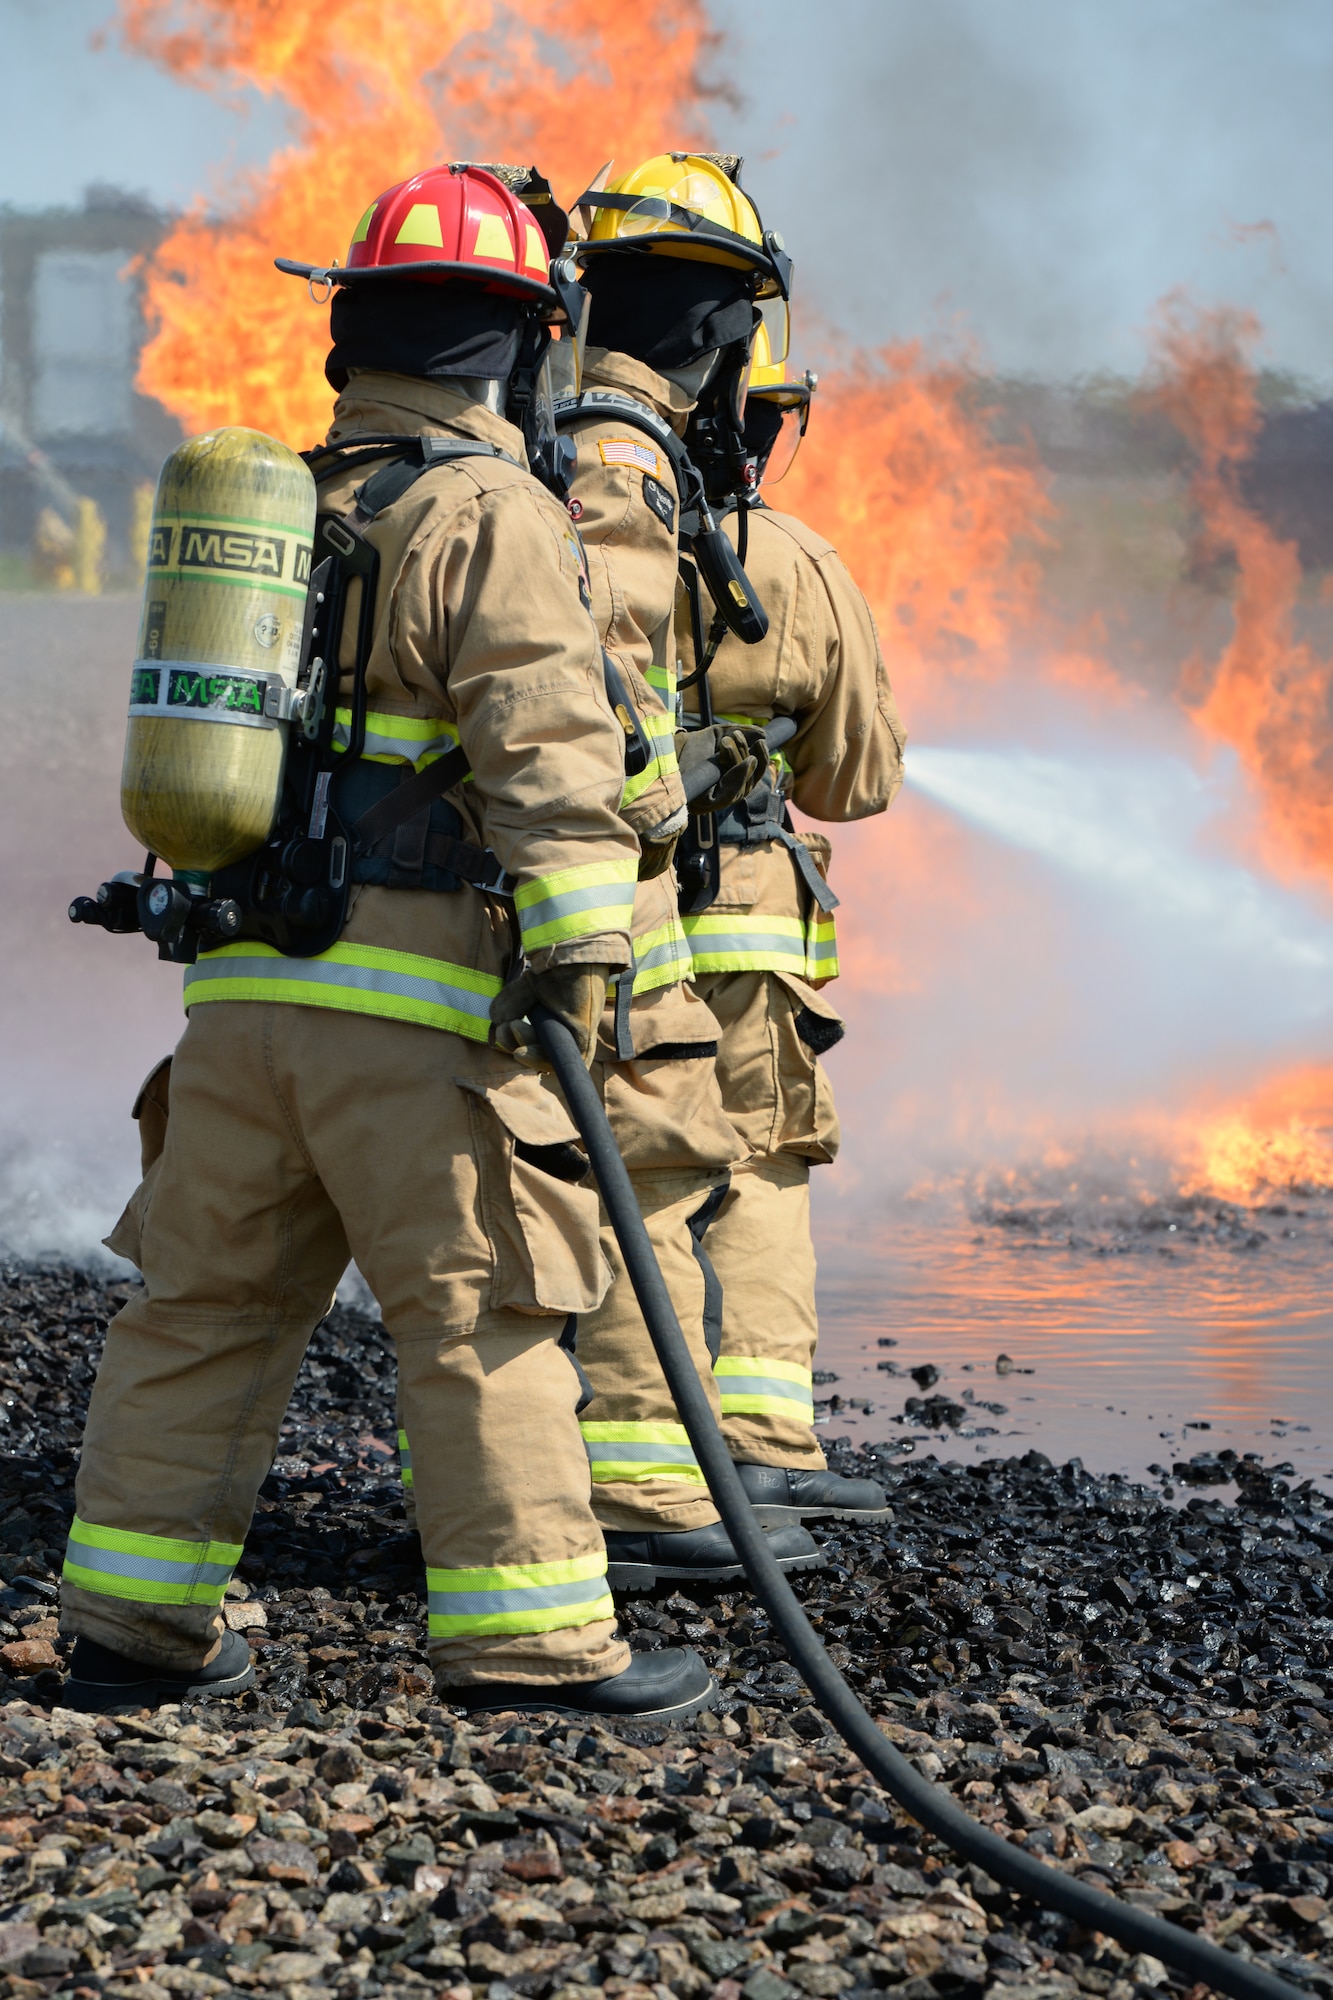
<point x="495" y="882"/>
<point x="281" y="702"/>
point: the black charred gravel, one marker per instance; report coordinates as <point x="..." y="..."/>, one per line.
<point x="1139" y="1691"/>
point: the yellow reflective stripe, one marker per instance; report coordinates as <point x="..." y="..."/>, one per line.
<point x="630" y="1451"/>
<point x="148" y="1569"/>
<point x="758" y="1385"/>
<point x="822" y="948"/>
<point x="404" y="1459"/>
<point x="353" y="979"/>
<point x="662" y="957"/>
<point x="738" y="942"/>
<point x="397" y="739"/>
<point x="576" y="902"/>
<point x="662" y="681"/>
<point x="660" y="730"/>
<point x="518" y="1597"/>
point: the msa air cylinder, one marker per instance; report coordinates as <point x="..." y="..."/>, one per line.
<point x="211" y="694"/>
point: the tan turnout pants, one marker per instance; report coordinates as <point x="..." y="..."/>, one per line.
<point x="299" y="1137"/>
<point x="667" y="1118"/>
<point x="777" y="1095"/>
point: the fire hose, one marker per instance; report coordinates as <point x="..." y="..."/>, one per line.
<point x="932" y="1807"/>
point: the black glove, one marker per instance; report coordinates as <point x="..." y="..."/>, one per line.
<point x="575" y="994"/>
<point x="657" y="847"/>
<point x="741" y="751"/>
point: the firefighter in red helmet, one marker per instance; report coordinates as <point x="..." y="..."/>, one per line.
<point x="364" y="1100"/>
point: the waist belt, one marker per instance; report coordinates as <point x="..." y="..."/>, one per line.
<point x="762" y="816"/>
<point x="406" y="835"/>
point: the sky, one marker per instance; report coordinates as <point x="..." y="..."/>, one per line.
<point x="1029" y="175"/>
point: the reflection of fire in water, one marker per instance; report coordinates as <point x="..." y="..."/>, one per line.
<point x="939" y="522"/>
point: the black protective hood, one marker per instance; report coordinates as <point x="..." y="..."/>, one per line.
<point x="667" y="311"/>
<point x="405" y="327"/>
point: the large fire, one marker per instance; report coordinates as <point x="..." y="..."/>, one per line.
<point x="1268" y="696"/>
<point x="1269" y="693"/>
<point x="941" y="525"/>
<point x="938" y="523"/>
<point x="377" y="89"/>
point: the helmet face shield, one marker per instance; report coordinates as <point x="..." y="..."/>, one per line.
<point x="786" y="444"/>
<point x="772" y="341"/>
<point x="565" y="357"/>
<point x="777" y="415"/>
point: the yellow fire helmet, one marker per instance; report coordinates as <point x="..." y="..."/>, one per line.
<point x="686" y="205"/>
<point x="777" y="412"/>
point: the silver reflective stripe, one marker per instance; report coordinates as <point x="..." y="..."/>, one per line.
<point x="526" y="1597"/>
<point x="763" y="1385"/>
<point x="148" y="1569"/>
<point x="411" y="749"/>
<point x="337" y="973"/>
<point x="652" y="1454"/>
<point x="671" y="951"/>
<point x="705" y="943"/>
<point x="567" y="902"/>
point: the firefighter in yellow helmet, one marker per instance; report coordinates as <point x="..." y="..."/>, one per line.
<point x="675" y="259"/>
<point x="764" y="947"/>
<point x="364" y="1099"/>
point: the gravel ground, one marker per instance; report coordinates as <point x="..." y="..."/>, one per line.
<point x="1137" y="1689"/>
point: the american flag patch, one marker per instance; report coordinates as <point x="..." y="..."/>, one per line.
<point x="625" y="451"/>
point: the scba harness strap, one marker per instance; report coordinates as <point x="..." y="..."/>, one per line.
<point x="762" y="816"/>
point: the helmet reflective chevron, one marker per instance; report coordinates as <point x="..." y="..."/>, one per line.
<point x="448" y="223"/>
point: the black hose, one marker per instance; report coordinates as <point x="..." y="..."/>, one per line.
<point x="703" y="777"/>
<point x="936" y="1811"/>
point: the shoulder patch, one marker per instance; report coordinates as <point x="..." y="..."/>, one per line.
<point x="629" y="451"/>
<point x="661" y="502"/>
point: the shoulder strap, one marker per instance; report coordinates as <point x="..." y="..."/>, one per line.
<point x="394" y="480"/>
<point x="402" y="804"/>
<point x="414" y="454"/>
<point x="596" y="404"/>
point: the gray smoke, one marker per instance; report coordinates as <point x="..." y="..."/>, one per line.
<point x="1038" y="174"/>
<point x="83" y="1016"/>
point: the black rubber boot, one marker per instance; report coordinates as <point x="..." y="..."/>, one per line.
<point x="777" y="1493"/>
<point x="102" y="1682"/>
<point x="701" y="1555"/>
<point x="669" y="1686"/>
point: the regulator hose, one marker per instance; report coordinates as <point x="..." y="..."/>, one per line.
<point x="927" y="1803"/>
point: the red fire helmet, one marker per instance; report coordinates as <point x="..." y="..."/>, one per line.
<point x="450" y="222"/>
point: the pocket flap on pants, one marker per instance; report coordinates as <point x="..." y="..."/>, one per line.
<point x="544" y="1232"/>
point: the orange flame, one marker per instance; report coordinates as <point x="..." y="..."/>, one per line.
<point x="933" y="523"/>
<point x="377" y="89"/>
<point x="1279" y="1143"/>
<point x="1269" y="694"/>
<point x="936" y="520"/>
